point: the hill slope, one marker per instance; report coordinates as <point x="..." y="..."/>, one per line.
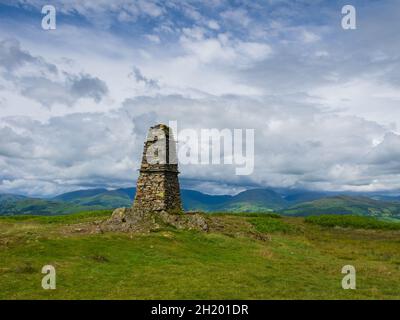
<point x="254" y="200"/>
<point x="242" y="257"/>
<point x="346" y="205"/>
<point x="299" y="203"/>
<point x="95" y="199"/>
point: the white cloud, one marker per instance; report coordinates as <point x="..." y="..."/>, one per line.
<point x="153" y="38"/>
<point x="73" y="150"/>
<point x="222" y="49"/>
<point x="212" y="24"/>
<point x="238" y="16"/>
<point x="309" y="37"/>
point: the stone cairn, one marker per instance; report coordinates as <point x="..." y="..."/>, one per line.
<point x="157" y="201"/>
<point x="158" y="185"/>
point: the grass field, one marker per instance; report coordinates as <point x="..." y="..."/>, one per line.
<point x="242" y="257"/>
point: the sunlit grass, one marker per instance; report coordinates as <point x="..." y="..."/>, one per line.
<point x="231" y="263"/>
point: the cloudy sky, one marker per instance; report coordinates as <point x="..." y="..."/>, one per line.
<point x="76" y="102"/>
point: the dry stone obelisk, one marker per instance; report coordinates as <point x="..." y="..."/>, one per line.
<point x="157" y="187"/>
<point x="158" y="201"/>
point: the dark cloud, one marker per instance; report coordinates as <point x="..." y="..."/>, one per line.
<point x="87" y="86"/>
<point x="39" y="80"/>
<point x="12" y="57"/>
<point x="386" y="153"/>
<point x="139" y="77"/>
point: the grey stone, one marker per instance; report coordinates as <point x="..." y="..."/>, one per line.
<point x="132" y="220"/>
<point x="157" y="201"/>
<point x="158" y="185"/>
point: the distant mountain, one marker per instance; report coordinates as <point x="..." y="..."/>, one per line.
<point x="99" y="197"/>
<point x="74" y="195"/>
<point x="34" y="206"/>
<point x="195" y="200"/>
<point x="192" y="200"/>
<point x="345" y="205"/>
<point x="288" y="202"/>
<point x="10" y="197"/>
<point x="303" y="196"/>
<point x="95" y="199"/>
<point x="71" y="202"/>
<point x="254" y="200"/>
<point x="386" y="198"/>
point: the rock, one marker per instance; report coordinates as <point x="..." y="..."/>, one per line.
<point x="194" y="221"/>
<point x="132" y="220"/>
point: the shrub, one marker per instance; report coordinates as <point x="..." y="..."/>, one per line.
<point x="269" y="224"/>
<point x="351" y="221"/>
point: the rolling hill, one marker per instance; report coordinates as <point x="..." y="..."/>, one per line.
<point x="291" y="202"/>
<point x="253" y="200"/>
<point x="197" y="201"/>
<point x="345" y="205"/>
<point x="104" y="198"/>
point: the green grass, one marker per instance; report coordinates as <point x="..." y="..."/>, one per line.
<point x="348" y="221"/>
<point x="230" y="262"/>
<point x="247" y="214"/>
<point x="71" y="218"/>
<point x="271" y="224"/>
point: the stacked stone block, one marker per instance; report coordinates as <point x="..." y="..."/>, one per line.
<point x="157" y="187"/>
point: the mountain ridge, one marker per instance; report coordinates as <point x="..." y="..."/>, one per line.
<point x="287" y="202"/>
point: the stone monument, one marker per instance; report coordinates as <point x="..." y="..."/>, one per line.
<point x="157" y="202"/>
<point x="158" y="185"/>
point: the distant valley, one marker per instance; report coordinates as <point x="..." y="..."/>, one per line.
<point x="287" y="202"/>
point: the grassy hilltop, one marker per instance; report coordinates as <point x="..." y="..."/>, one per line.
<point x="244" y="256"/>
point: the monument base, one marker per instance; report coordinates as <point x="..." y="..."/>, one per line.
<point x="133" y="220"/>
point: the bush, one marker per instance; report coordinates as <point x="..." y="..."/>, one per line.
<point x="268" y="224"/>
<point x="351" y="221"/>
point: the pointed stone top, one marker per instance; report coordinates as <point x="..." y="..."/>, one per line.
<point x="158" y="132"/>
<point x="160" y="126"/>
